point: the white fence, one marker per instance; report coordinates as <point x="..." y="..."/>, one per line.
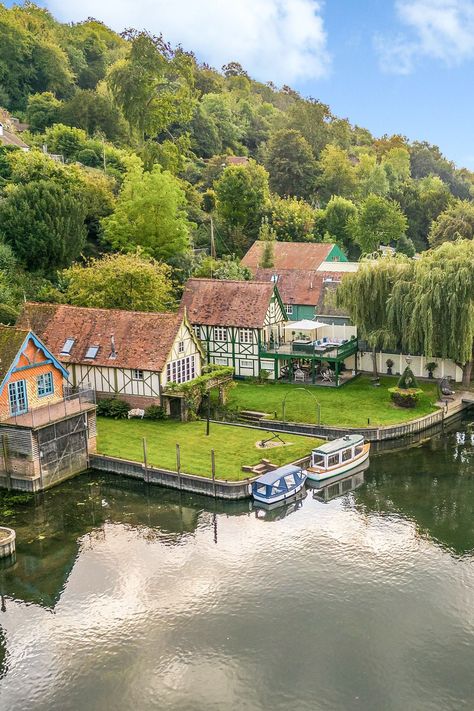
<point x="446" y="367"/>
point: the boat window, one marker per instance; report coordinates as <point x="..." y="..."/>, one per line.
<point x="333" y="460"/>
<point x="359" y="449"/>
<point x="262" y="489"/>
<point x="290" y="481"/>
<point x="318" y="460"/>
<point x="346" y="455"/>
<point x="275" y="490"/>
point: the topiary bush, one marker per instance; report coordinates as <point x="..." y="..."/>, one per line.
<point x="407" y="393"/>
<point x="113" y="407"/>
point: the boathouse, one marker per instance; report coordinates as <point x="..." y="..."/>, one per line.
<point x="132" y="355"/>
<point x="46" y="434"/>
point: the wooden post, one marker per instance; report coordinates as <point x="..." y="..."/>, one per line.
<point x="178" y="464"/>
<point x="213" y="470"/>
<point x="5" y="460"/>
<point x="145" y="460"/>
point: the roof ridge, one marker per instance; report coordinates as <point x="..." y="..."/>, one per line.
<point x="102" y="309"/>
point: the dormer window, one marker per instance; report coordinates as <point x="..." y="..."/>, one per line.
<point x="92" y="352"/>
<point x="274" y="278"/>
<point x="66" y="349"/>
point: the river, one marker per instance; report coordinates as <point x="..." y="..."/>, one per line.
<point x="127" y="597"/>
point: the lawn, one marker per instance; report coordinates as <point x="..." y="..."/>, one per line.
<point x="234" y="446"/>
<point x="352" y="405"/>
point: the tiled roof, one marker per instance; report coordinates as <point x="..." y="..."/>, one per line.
<point x="11" y="340"/>
<point x="214" y="302"/>
<point x="290" y="255"/>
<point x="11" y="139"/>
<point x="304" y="287"/>
<point x="142" y="340"/>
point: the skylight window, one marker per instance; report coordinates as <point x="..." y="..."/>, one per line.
<point x="66" y="349"/>
<point x="92" y="352"/>
<point x="274" y="278"/>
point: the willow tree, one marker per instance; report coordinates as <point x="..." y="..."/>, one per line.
<point x="433" y="310"/>
<point x="365" y="296"/>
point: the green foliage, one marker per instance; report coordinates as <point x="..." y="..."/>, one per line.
<point x="337" y="175"/>
<point x="403" y="397"/>
<point x="225" y="268"/>
<point x="155" y="412"/>
<point x="407" y="379"/>
<point x="113" y="407"/>
<point x="290" y="164"/>
<point x="150" y="213"/>
<point x="340" y="213"/>
<point x="120" y="281"/>
<point x="292" y="220"/>
<point x="456" y="222"/>
<point x="379" y="221"/>
<point x="8" y="315"/>
<point x="43" y="110"/>
<point x="44" y="224"/>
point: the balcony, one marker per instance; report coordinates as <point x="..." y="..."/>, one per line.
<point x="323" y="350"/>
<point x="69" y="406"/>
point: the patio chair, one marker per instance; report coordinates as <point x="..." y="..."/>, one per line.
<point x="299" y="376"/>
<point x="327" y="376"/>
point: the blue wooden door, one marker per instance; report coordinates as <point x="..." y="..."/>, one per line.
<point x="17" y="397"/>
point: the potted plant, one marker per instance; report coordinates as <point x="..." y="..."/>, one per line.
<point x="431" y="367"/>
<point x="389" y="363"/>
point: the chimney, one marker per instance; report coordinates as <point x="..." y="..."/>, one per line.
<point x="113" y="352"/>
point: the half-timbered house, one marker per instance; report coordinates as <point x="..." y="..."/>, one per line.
<point x="234" y="320"/>
<point x="129" y="354"/>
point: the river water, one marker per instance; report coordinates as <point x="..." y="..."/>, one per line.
<point x="128" y="597"/>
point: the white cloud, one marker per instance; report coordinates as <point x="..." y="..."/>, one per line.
<point x="439" y="29"/>
<point x="279" y="40"/>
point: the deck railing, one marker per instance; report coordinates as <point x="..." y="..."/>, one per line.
<point x="71" y="404"/>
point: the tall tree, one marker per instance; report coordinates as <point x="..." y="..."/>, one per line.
<point x="149" y="213"/>
<point x="292" y="220"/>
<point x="43" y="221"/>
<point x="365" y="294"/>
<point x="290" y="163"/>
<point x="121" y="281"/>
<point x="432" y="306"/>
<point x="379" y="221"/>
<point x="338" y="216"/>
<point x="456" y="222"/>
<point x="337" y="174"/>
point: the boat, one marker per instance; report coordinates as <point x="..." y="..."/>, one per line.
<point x="280" y="510"/>
<point x="338" y="485"/>
<point x="337" y="457"/>
<point x="278" y="485"/>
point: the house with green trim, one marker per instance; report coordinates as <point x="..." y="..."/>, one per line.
<point x="294" y="255"/>
<point x="234" y="321"/>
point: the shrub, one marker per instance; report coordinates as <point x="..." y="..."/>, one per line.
<point x="155" y="412"/>
<point x="405" y="397"/>
<point x="407" y="380"/>
<point x="113" y="407"/>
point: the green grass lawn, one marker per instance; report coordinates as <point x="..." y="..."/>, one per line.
<point x="233" y="446"/>
<point x="349" y="406"/>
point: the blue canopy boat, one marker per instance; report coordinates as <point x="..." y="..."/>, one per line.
<point x="279" y="485"/>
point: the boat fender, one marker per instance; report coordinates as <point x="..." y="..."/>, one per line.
<point x="250" y="488"/>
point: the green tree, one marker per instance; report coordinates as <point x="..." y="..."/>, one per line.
<point x="379" y="221"/>
<point x="267" y="235"/>
<point x="65" y="140"/>
<point x="339" y="215"/>
<point x="312" y="120"/>
<point x="371" y="176"/>
<point x="432" y="306"/>
<point x="292" y="220"/>
<point x="43" y="221"/>
<point x="121" y="281"/>
<point x="290" y="163"/>
<point x="396" y="163"/>
<point x="337" y="175"/>
<point x="153" y="85"/>
<point x="43" y="110"/>
<point x="150" y="213"/>
<point x="94" y="113"/>
<point x="365" y="296"/>
<point x="422" y="201"/>
<point x="242" y="194"/>
<point x="456" y="222"/>
<point x="225" y="268"/>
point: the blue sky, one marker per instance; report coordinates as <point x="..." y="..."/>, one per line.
<point x="392" y="66"/>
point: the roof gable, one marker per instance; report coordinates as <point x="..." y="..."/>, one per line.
<point x="215" y="302"/>
<point x="13" y="342"/>
<point x="141" y="340"/>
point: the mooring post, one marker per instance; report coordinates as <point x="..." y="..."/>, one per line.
<point x="213" y="470"/>
<point x="178" y="464"/>
<point x="145" y="460"/>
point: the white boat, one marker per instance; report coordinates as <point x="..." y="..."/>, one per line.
<point x="337" y="457"/>
<point x="278" y="485"/>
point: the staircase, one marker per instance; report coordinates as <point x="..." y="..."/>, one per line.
<point x="252" y="417"/>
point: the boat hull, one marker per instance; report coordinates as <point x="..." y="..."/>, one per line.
<point x="279" y="497"/>
<point x="321" y="474"/>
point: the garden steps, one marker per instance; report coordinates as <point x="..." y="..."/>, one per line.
<point x="252" y="416"/>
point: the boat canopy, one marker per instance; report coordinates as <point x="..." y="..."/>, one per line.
<point x="337" y="444"/>
<point x="271" y="478"/>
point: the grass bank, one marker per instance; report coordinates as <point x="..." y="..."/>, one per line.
<point x="234" y="446"/>
<point x="349" y="406"/>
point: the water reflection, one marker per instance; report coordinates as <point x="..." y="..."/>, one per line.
<point x="147" y="598"/>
